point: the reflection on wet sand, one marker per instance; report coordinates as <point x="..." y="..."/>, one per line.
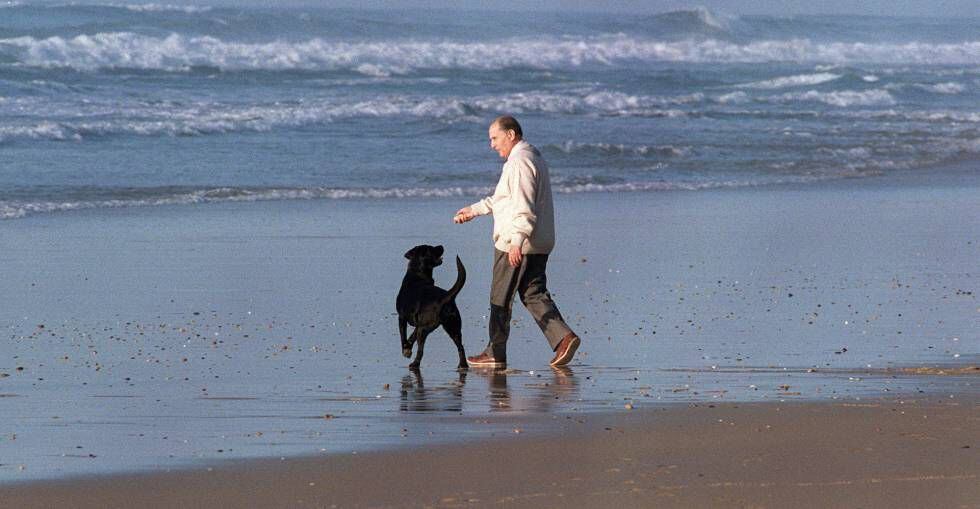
<point x="505" y="391"/>
<point x="416" y="397"/>
<point x="541" y="394"/>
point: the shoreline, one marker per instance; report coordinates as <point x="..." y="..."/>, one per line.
<point x="894" y="452"/>
<point x="961" y="171"/>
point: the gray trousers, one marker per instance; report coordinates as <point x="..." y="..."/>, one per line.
<point x="529" y="281"/>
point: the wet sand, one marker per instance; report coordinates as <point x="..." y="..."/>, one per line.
<point x="140" y="341"/>
<point x="884" y="453"/>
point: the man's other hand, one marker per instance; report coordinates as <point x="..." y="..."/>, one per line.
<point x="515" y="256"/>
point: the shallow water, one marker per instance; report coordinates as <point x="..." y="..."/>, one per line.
<point x="174" y="337"/>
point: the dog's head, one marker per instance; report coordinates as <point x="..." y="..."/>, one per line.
<point x="425" y="257"/>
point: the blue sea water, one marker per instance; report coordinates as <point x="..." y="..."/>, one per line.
<point x="126" y="104"/>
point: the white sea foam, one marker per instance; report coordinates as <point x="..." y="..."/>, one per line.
<point x="848" y="154"/>
<point x="196" y="118"/>
<point x="40" y="131"/>
<point x="189" y="9"/>
<point x="841" y="98"/>
<point x="179" y="52"/>
<point x="18" y="209"/>
<point x="192" y="119"/>
<point x="792" y="81"/>
<point x="733" y="98"/>
<point x="135" y="7"/>
<point x="573" y="147"/>
<point x="77" y="121"/>
<point x="589" y="187"/>
<point x="938" y="116"/>
<point x="944" y="88"/>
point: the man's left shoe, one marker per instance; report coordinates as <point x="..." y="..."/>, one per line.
<point x="566" y="350"/>
<point x="485" y="360"/>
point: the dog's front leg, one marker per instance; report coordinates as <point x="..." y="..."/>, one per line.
<point x="402" y="330"/>
<point x="419" y="335"/>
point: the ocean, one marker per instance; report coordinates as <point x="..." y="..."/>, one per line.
<point x="125" y="105"/>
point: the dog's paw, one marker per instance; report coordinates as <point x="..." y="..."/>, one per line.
<point x="407" y="352"/>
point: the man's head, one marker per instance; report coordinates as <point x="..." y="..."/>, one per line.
<point x="505" y="132"/>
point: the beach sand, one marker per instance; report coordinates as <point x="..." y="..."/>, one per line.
<point x="825" y="333"/>
<point x="884" y="453"/>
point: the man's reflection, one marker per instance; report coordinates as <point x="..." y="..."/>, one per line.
<point x="545" y="391"/>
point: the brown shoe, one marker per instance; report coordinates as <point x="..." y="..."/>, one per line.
<point x="485" y="360"/>
<point x="566" y="350"/>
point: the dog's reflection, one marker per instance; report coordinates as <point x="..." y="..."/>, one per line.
<point x="416" y="397"/>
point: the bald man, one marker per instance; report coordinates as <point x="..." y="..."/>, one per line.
<point x="523" y="237"/>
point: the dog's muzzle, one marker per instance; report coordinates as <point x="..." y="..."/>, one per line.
<point x="407" y="352"/>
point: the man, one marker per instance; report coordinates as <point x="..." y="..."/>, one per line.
<point x="523" y="236"/>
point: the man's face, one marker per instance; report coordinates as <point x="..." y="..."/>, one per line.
<point x="502" y="141"/>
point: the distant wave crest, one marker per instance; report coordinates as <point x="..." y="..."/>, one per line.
<point x="13" y="209"/>
<point x="145" y="198"/>
<point x="176" y="53"/>
<point x="792" y="81"/>
<point x="189" y="9"/>
<point x="573" y="147"/>
<point x="77" y="122"/>
<point x="842" y="98"/>
<point x="134" y="7"/>
<point x="201" y="118"/>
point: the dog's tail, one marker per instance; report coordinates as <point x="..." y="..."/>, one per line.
<point x="460" y="280"/>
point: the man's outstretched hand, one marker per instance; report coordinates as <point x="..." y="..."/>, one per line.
<point x="463" y="215"/>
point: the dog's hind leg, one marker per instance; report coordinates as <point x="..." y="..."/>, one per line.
<point x="453" y="326"/>
<point x="419" y="337"/>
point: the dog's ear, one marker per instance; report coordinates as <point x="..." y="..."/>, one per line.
<point x="411" y="252"/>
<point x="439" y="250"/>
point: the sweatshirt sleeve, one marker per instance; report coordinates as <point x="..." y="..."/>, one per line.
<point x="483" y="207"/>
<point x="524" y="187"/>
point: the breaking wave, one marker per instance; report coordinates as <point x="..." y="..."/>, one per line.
<point x="193" y="119"/>
<point x="177" y="52"/>
<point x="573" y="147"/>
<point x="792" y="81"/>
<point x="13" y="209"/>
<point x="76" y="122"/>
<point x="842" y="98"/>
<point x="167" y="196"/>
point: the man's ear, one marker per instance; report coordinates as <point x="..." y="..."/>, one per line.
<point x="411" y="253"/>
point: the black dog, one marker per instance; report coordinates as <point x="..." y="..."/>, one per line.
<point x="425" y="306"/>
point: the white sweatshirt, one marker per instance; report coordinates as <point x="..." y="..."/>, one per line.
<point x="523" y="213"/>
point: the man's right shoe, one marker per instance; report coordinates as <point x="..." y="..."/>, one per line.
<point x="566" y="350"/>
<point x="485" y="360"/>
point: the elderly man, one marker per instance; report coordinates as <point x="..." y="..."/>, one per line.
<point x="523" y="235"/>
